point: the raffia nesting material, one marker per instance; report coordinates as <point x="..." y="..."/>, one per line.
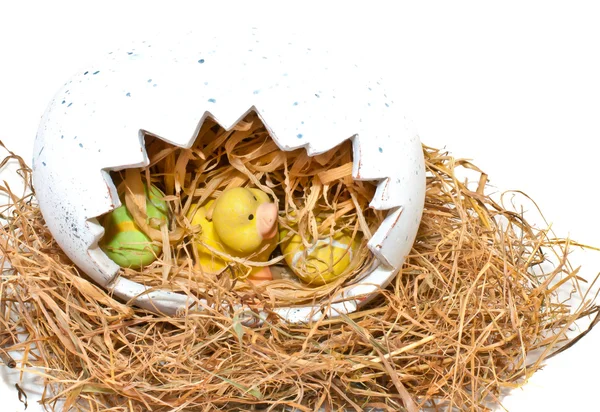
<point x="453" y="329"/>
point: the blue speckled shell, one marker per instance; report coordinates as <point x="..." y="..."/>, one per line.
<point x="306" y="98"/>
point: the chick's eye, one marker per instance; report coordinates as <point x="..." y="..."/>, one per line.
<point x="250" y="216"/>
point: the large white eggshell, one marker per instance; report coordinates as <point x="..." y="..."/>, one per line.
<point x="305" y="97"/>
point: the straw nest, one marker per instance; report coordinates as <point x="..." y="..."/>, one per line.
<point x="472" y="313"/>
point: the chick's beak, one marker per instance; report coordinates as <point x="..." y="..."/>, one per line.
<point x="266" y="220"/>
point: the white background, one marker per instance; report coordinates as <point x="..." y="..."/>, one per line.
<point x="513" y="85"/>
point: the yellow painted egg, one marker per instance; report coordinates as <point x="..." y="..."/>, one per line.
<point x="324" y="261"/>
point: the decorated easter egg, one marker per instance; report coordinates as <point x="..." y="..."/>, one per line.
<point x="307" y="98"/>
<point x="124" y="241"/>
<point x="323" y="261"/>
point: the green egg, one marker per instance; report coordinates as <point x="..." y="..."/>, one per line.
<point x="123" y="240"/>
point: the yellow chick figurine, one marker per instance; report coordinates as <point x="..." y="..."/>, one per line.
<point x="324" y="261"/>
<point x="244" y="225"/>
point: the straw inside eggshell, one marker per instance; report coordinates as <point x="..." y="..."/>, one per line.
<point x="316" y="196"/>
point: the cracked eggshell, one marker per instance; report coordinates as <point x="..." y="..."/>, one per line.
<point x="306" y="98"/>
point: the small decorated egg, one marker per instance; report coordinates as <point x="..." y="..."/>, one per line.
<point x="324" y="261"/>
<point x="124" y="242"/>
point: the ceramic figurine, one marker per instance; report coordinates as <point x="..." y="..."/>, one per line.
<point x="243" y="225"/>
